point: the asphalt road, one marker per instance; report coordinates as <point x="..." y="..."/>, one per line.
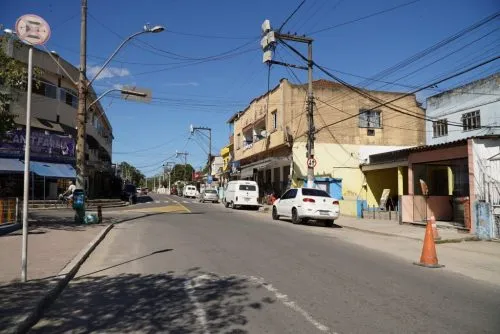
<point x="187" y="267"/>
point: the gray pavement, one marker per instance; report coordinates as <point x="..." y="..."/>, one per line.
<point x="201" y="268"/>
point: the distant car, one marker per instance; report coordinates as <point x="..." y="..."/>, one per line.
<point x="139" y="191"/>
<point x="145" y="191"/>
<point x="189" y="191"/>
<point x="209" y="195"/>
<point x="302" y="204"/>
<point x="173" y="191"/>
<point x="129" y="193"/>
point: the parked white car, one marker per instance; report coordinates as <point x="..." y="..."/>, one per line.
<point x="189" y="191"/>
<point x="302" y="204"/>
<point x="240" y="194"/>
<point x="210" y="195"/>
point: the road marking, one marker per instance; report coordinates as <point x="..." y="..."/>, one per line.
<point x="174" y="208"/>
<point x="165" y="201"/>
<point x="199" y="312"/>
<point x="185" y="202"/>
<point x="289" y="303"/>
<point x="157" y="202"/>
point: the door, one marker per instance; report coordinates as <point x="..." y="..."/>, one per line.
<point x="286" y="202"/>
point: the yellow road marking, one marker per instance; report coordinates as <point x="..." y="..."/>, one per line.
<point x="175" y="208"/>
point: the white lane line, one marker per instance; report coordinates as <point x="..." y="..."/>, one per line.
<point x="157" y="202"/>
<point x="185" y="202"/>
<point x="199" y="312"/>
<point x="165" y="201"/>
<point x="291" y="304"/>
<point x="175" y="201"/>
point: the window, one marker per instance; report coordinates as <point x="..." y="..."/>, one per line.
<point x="314" y="192"/>
<point x="440" y="128"/>
<point x="471" y="120"/>
<point x="69" y="97"/>
<point x="274" y="115"/>
<point x="292" y="193"/>
<point x="247" y="187"/>
<point x="370" y="132"/>
<point x="369" y="119"/>
<point x="44" y="88"/>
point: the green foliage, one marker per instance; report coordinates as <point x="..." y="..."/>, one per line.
<point x="182" y="173"/>
<point x="131" y="174"/>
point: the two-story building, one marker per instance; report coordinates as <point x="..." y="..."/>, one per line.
<point x="53" y="132"/>
<point x="270" y="141"/>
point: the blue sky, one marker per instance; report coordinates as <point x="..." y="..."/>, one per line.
<point x="189" y="88"/>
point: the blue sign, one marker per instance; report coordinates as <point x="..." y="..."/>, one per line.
<point x="209" y="179"/>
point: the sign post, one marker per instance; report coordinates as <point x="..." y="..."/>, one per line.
<point x="33" y="30"/>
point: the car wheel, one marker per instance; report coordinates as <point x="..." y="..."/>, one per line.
<point x="295" y="217"/>
<point x="275" y="214"/>
<point x="226" y="204"/>
<point x="233" y="206"/>
<point x="328" y="223"/>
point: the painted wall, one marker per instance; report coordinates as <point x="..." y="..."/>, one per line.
<point x="486" y="172"/>
<point x="451" y="105"/>
<point x="377" y="181"/>
<point x="340" y="161"/>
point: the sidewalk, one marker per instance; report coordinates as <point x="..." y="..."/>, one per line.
<point x="53" y="241"/>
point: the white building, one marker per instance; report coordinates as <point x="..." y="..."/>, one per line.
<point x="474" y="107"/>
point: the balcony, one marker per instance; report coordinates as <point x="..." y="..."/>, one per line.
<point x="250" y="148"/>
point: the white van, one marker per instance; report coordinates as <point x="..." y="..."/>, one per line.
<point x="189" y="191"/>
<point x="241" y="194"/>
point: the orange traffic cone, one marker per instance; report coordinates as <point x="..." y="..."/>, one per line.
<point x="429" y="257"/>
<point x="435" y="232"/>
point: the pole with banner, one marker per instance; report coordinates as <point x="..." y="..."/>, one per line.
<point x="32" y="30"/>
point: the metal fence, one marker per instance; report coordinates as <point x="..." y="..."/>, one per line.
<point x="10" y="210"/>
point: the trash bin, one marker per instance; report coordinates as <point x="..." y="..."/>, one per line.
<point x="79" y="205"/>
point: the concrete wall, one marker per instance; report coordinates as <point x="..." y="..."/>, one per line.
<point x="482" y="95"/>
<point x="413" y="208"/>
<point x="377" y="181"/>
<point x="486" y="172"/>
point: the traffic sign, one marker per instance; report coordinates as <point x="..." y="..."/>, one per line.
<point x="32" y="29"/>
<point x="311" y="162"/>
<point x="209" y="179"/>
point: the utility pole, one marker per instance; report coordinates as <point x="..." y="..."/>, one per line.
<point x="185" y="154"/>
<point x="82" y="102"/>
<point x="209" y="130"/>
<point x="268" y="43"/>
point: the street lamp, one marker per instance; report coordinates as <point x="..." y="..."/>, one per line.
<point x="83" y="86"/>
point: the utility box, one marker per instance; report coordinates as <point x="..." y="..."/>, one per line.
<point x="78" y="199"/>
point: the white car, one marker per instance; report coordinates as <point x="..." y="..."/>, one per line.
<point x="189" y="191"/>
<point x="302" y="204"/>
<point x="242" y="194"/>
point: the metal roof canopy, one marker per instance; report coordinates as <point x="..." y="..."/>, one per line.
<point x="46" y="169"/>
<point x="11" y="166"/>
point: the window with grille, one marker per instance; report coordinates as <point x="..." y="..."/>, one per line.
<point x="369" y="119"/>
<point x="471" y="120"/>
<point x="440" y="128"/>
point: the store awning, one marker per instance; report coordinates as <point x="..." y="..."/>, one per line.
<point x="11" y="166"/>
<point x="46" y="169"/>
<point x="247" y="170"/>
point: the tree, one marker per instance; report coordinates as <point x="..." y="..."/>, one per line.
<point x="181" y="173"/>
<point x="13" y="78"/>
<point x="131" y="174"/>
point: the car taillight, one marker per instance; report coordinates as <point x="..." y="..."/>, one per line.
<point x="335" y="203"/>
<point x="310" y="200"/>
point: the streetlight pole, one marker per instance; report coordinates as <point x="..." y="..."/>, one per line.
<point x="209" y="130"/>
<point x="83" y="87"/>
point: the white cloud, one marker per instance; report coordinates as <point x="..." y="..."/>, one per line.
<point x="108" y="72"/>
<point x="180" y="84"/>
<point x="118" y="86"/>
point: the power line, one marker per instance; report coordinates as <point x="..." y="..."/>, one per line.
<point x="364" y="17"/>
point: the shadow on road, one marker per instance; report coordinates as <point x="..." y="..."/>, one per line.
<point x="192" y="302"/>
<point x="144" y="199"/>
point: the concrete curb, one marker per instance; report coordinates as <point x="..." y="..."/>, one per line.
<point x="63" y="279"/>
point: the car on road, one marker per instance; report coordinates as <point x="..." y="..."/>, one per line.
<point x="129" y="194"/>
<point x="209" y="195"/>
<point x="189" y="191"/>
<point x="173" y="191"/>
<point x="302" y="204"/>
<point x="242" y="194"/>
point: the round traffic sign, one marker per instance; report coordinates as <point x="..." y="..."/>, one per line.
<point x="311" y="162"/>
<point x="32" y="29"/>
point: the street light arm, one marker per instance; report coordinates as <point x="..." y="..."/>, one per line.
<point x="114" y="54"/>
<point x="124" y="91"/>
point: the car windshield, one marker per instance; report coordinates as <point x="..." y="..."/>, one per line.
<point x="248" y="187"/>
<point x="210" y="191"/>
<point x="314" y="192"/>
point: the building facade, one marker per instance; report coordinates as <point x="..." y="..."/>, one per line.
<point x="467" y="111"/>
<point x="270" y="136"/>
<point x="53" y="131"/>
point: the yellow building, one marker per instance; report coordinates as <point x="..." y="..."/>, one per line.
<point x="270" y="137"/>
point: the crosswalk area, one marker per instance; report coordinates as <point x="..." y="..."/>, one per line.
<point x="180" y="201"/>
